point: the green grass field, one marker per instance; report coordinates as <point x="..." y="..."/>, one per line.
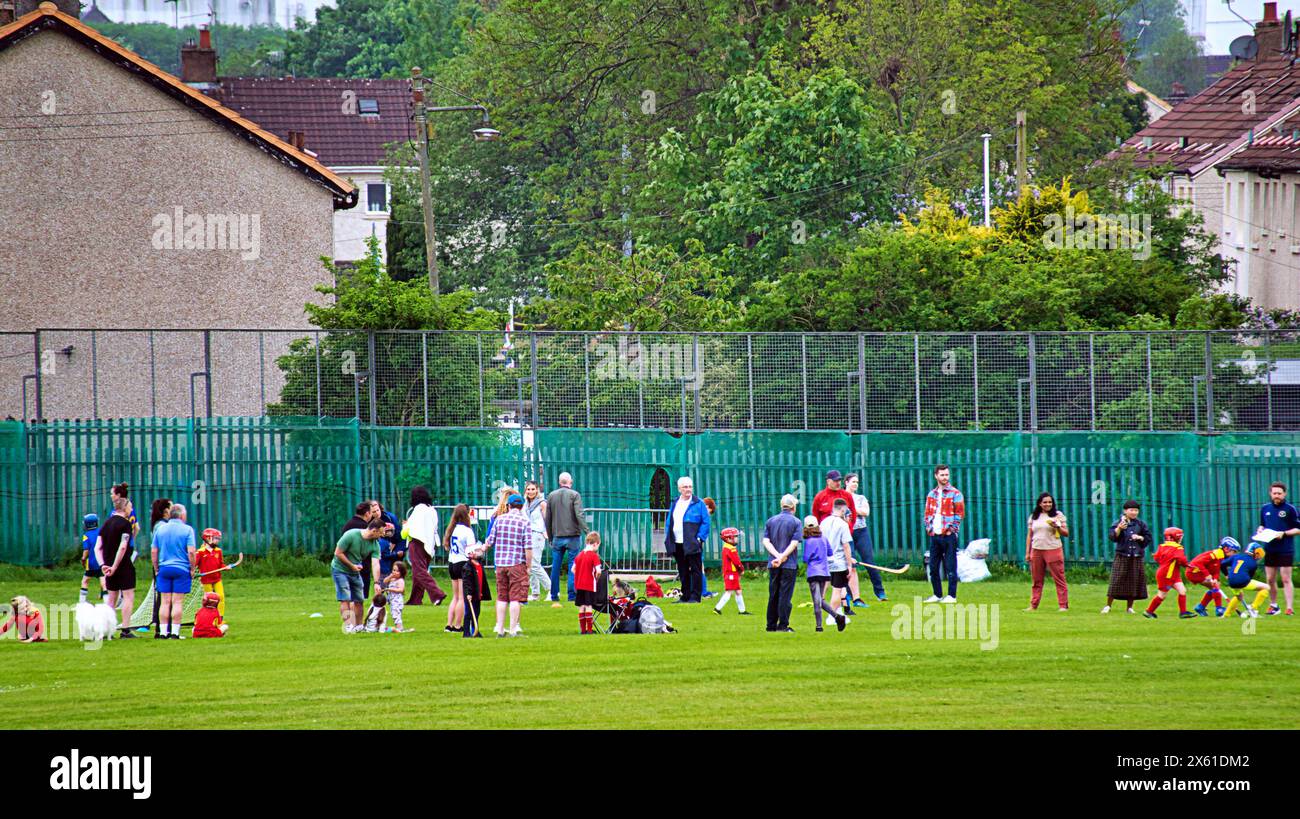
<point x="280" y="668"/>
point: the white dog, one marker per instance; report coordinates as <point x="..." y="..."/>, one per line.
<point x="96" y="622"/>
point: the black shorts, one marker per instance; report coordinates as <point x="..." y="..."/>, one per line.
<point x="582" y="597"/>
<point x="457" y="570"/>
<point x="1279" y="560"/>
<point x="123" y="579"/>
<point x="840" y="580"/>
<point x="99" y="572"/>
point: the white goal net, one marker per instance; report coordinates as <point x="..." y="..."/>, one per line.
<point x="143" y="614"/>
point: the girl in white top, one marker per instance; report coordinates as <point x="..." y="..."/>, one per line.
<point x="459" y="540"/>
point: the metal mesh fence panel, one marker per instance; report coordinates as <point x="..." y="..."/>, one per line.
<point x="17" y="375"/>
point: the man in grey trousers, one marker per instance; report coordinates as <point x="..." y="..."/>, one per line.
<point x="566" y="524"/>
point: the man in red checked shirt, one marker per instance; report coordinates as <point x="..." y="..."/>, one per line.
<point x="945" y="508"/>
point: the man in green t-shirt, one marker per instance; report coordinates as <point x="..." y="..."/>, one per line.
<point x="355" y="546"/>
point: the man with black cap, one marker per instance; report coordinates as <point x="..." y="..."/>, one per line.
<point x="824" y="501"/>
<point x="512" y="537"/>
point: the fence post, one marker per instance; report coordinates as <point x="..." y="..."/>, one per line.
<point x="261" y="365"/>
<point x="697" y="376"/>
<point x="1033" y="383"/>
<point x="803" y="360"/>
<point x="371" y="392"/>
<point x="1151" y="399"/>
<point x="749" y="355"/>
<point x="1268" y="375"/>
<point x="478" y="338"/>
<point x="862" y="383"/>
<point x="36" y="350"/>
<point x="532" y="353"/>
<point x="424" y="371"/>
<point x="94" y="374"/>
<point x="153" y="380"/>
<point x="320" y="412"/>
<point x="207" y="372"/>
<point x="916" y="368"/>
<point x="975" y="372"/>
<point x="586" y="374"/>
<point x="1209" y="384"/>
<point x="1092" y="384"/>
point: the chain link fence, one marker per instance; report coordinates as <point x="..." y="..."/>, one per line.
<point x="690" y="382"/>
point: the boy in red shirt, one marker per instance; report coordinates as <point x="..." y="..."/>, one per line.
<point x="1170" y="560"/>
<point x="1204" y="571"/>
<point x="210" y="559"/>
<point x="586" y="568"/>
<point x="208" y="620"/>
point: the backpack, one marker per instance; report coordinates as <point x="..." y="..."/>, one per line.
<point x="651" y="620"/>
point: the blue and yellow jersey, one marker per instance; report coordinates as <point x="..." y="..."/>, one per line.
<point x="1241" y="569"/>
<point x="88" y="546"/>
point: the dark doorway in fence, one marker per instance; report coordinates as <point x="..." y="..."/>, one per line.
<point x="660" y="497"/>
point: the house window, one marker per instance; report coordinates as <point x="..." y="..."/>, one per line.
<point x="368" y="106"/>
<point x="377" y="197"/>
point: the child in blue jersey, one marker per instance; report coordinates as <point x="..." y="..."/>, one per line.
<point x="816" y="551"/>
<point x="88" y="559"/>
<point x="1240" y="570"/>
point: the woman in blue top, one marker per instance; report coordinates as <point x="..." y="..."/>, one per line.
<point x="816" y="556"/>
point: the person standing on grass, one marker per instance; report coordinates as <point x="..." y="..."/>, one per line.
<point x="355" y="547"/>
<point x="945" y="506"/>
<point x="459" y="541"/>
<point x="1128" y="572"/>
<point x="1279" y="554"/>
<point x="587" y="569"/>
<point x="862" y="544"/>
<point x="512" y="538"/>
<point x="113" y="551"/>
<point x="839" y="562"/>
<point x="781" y="537"/>
<point x="816" y="552"/>
<point x="172" y="550"/>
<point x="392" y="546"/>
<point x="686" y="531"/>
<point x="421" y="533"/>
<point x="566" y="524"/>
<point x="539" y="581"/>
<point x="157" y="516"/>
<point x="1045" y="552"/>
<point x="367" y="512"/>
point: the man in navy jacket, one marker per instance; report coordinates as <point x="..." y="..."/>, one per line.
<point x="686" y="530"/>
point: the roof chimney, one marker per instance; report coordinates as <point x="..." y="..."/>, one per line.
<point x="1177" y="93"/>
<point x="199" y="61"/>
<point x="1268" y="32"/>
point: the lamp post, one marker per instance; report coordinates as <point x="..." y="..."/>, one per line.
<point x="484" y="133"/>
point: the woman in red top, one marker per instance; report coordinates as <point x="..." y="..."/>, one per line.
<point x="26" y="620"/>
<point x="731" y="571"/>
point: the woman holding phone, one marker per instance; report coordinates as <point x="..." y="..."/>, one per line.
<point x="1044" y="551"/>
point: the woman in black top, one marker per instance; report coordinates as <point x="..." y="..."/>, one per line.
<point x="113" y="550"/>
<point x="1128" y="574"/>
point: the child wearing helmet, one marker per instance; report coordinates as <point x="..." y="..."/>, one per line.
<point x="731" y="570"/>
<point x="88" y="560"/>
<point x="210" y="559"/>
<point x="208" y="622"/>
<point x="1204" y="570"/>
<point x="1241" y="578"/>
<point x="1170" y="560"/>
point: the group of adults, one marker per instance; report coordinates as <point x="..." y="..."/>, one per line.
<point x="172" y="550"/>
<point x="519" y="528"/>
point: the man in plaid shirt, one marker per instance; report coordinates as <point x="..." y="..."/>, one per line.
<point x="512" y="537"/>
<point x="944" y="509"/>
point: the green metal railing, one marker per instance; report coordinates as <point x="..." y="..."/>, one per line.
<point x="277" y="482"/>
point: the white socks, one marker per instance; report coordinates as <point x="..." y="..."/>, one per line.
<point x="726" y="595"/>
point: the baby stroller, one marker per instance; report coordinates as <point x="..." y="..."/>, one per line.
<point x="616" y="611"/>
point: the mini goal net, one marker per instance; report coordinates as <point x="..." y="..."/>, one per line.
<point x="143" y="614"/>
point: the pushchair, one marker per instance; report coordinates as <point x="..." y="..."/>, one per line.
<point x="617" y="612"/>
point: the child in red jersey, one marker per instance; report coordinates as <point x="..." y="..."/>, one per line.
<point x="1170" y="560"/>
<point x="208" y="622"/>
<point x="732" y="568"/>
<point x="586" y="569"/>
<point x="1204" y="571"/>
<point x="26" y="620"/>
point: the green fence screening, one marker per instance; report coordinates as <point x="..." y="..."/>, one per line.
<point x="277" y="482"/>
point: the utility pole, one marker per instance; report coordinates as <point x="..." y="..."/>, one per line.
<point x="426" y="194"/>
<point x="1022" y="169"/>
<point x="986" y="138"/>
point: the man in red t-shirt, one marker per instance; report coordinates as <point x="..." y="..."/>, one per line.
<point x="824" y="501"/>
<point x="586" y="568"/>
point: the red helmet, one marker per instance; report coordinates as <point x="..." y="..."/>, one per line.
<point x="209" y="534"/>
<point x="1174" y="533"/>
<point x="730" y="535"/>
<point x="211" y="600"/>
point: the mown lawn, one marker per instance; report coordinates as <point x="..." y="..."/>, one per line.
<point x="281" y="668"/>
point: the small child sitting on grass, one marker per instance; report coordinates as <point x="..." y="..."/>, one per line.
<point x="208" y="622"/>
<point x="27" y="621"/>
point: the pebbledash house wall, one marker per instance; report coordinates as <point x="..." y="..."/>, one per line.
<point x="77" y="237"/>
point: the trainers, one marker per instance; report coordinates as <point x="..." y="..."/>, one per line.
<point x="1150" y="615"/>
<point x="1106" y="609"/>
<point x="717" y="611"/>
<point x="747" y="614"/>
<point x="1186" y="615"/>
<point x="931" y="599"/>
<point x="1030" y="608"/>
<point x="1199" y="608"/>
<point x="1273" y="609"/>
<point x="1289" y="613"/>
<point x="1218" y="610"/>
<point x="948" y="598"/>
<point x="1063" y="608"/>
<point x="840" y="622"/>
<point x="819" y="628"/>
<point x="859" y="603"/>
<point x="1130" y="611"/>
<point x="882" y="597"/>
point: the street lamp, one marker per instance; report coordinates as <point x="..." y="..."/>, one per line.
<point x="484" y="133"/>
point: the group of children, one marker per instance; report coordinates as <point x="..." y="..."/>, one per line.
<point x="209" y="565"/>
<point x="1173" y="567"/>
